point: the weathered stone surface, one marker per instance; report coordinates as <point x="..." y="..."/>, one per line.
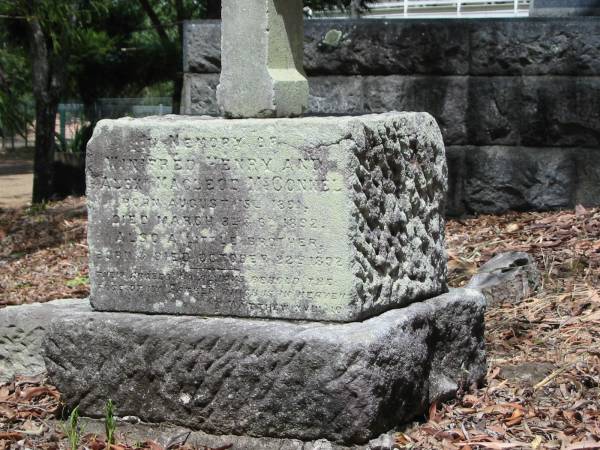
<point x="457" y="176"/>
<point x="505" y="178"/>
<point x="22" y="329"/>
<point x="562" y="8"/>
<point x="507" y="278"/>
<point x="528" y="111"/>
<point x="499" y="179"/>
<point x="493" y="112"/>
<point x="446" y="98"/>
<point x="347" y="47"/>
<point x="386" y="47"/>
<point x="506" y="95"/>
<point x="199" y="95"/>
<point x="165" y="434"/>
<point x="560" y="111"/>
<point x="302" y="380"/>
<point x="587" y="190"/>
<point x="535" y="47"/>
<point x="333" y="218"/>
<point x="202" y="46"/>
<point x="569" y="46"/>
<point x="262" y="73"/>
<point x="337" y="95"/>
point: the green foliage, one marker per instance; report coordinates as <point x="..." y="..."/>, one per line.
<point x="78" y="281"/>
<point x="37" y="208"/>
<point x="72" y="429"/>
<point x="78" y="143"/>
<point x="63" y="22"/>
<point x="15" y="100"/>
<point x="110" y="423"/>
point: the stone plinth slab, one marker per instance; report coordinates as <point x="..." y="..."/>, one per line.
<point x="335" y="219"/>
<point x="22" y="329"/>
<point x="303" y="380"/>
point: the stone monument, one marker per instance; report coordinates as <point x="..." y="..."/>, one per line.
<point x="272" y="277"/>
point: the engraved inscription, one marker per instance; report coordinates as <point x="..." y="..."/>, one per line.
<point x="232" y="225"/>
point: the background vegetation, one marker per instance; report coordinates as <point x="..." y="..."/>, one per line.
<point x="52" y="51"/>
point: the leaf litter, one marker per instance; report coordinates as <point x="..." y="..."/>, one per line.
<point x="542" y="389"/>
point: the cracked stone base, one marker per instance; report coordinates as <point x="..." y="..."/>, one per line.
<point x="346" y="383"/>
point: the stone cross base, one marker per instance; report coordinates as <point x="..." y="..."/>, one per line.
<point x="304" y="380"/>
<point x="262" y="46"/>
<point x="320" y="218"/>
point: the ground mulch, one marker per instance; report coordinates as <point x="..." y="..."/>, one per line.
<point x="43" y="253"/>
<point x="542" y="390"/>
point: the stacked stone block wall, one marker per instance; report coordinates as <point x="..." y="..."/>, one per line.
<point x="517" y="100"/>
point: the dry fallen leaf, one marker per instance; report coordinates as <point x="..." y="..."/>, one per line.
<point x="580" y="211"/>
<point x="10" y="435"/>
<point x="512" y="227"/>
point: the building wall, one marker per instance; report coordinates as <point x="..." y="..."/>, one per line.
<point x="517" y="100"/>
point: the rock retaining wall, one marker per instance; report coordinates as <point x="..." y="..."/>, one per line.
<point x="517" y="100"/>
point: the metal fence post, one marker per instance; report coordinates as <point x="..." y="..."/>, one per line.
<point x="516" y="7"/>
<point x="63" y="123"/>
<point x="458" y="8"/>
<point x="405" y="8"/>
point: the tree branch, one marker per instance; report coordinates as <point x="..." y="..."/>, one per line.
<point x="156" y="23"/>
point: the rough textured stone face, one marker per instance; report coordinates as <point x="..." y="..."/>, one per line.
<point x="562" y="8"/>
<point x="22" y="329"/>
<point x="304" y="380"/>
<point x="499" y="179"/>
<point x="535" y="47"/>
<point x="262" y="74"/>
<point x="316" y="218"/>
<point x="519" y="46"/>
<point x="505" y="110"/>
<point x="443" y="97"/>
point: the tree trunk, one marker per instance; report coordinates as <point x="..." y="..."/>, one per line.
<point x="178" y="78"/>
<point x="170" y="46"/>
<point x="48" y="74"/>
<point x="177" y="88"/>
<point x="43" y="167"/>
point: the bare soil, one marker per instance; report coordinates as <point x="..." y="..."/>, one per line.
<point x="16" y="182"/>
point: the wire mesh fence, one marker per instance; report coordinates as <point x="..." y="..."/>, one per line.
<point x="72" y="117"/>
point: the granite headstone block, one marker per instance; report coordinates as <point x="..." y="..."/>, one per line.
<point x="334" y="219"/>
